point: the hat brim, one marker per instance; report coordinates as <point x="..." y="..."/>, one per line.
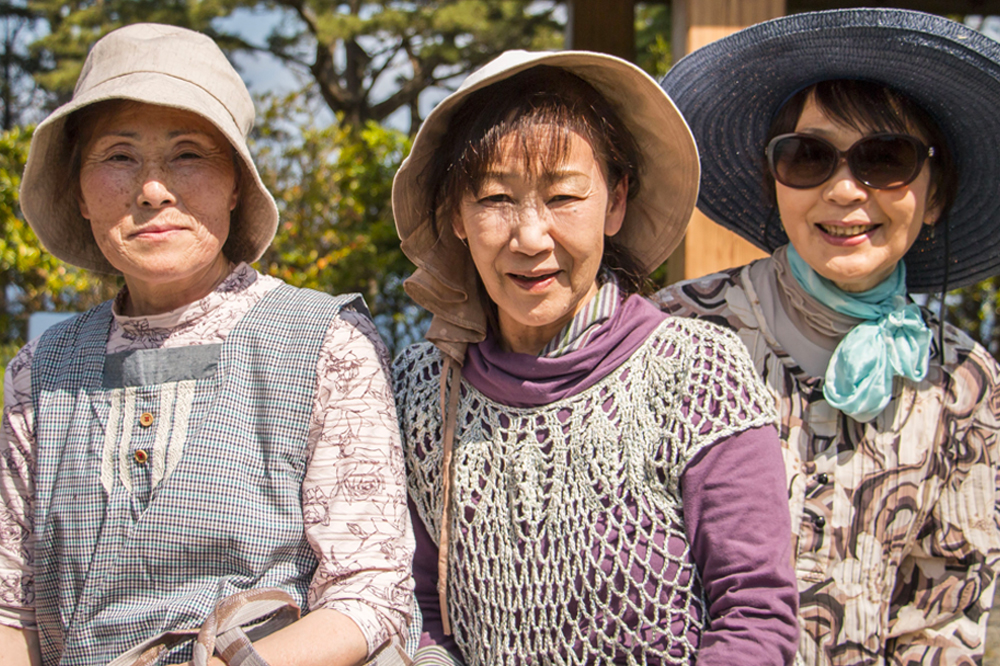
<point x="655" y="219"/>
<point x="731" y="89"/>
<point x="48" y="199"/>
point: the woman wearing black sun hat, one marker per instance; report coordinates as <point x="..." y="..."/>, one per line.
<point x="861" y="148"/>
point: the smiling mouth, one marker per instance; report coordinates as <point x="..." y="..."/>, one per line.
<point x="847" y="232"/>
<point x="531" y="279"/>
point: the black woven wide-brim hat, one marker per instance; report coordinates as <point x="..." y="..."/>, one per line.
<point x="730" y="91"/>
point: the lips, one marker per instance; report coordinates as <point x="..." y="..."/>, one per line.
<point x="532" y="280"/>
<point x="155" y="230"/>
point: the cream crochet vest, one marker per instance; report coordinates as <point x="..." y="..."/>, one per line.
<point x="568" y="540"/>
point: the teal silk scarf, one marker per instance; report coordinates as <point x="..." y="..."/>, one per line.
<point x="892" y="340"/>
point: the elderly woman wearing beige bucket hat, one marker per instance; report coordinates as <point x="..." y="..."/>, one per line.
<point x="213" y="445"/>
<point x="592" y="481"/>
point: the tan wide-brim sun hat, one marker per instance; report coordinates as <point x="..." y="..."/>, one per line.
<point x="655" y="220"/>
<point x="153" y="64"/>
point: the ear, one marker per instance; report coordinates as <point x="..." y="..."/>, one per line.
<point x="617" y="201"/>
<point x="458" y="227"/>
<point x="84" y="210"/>
<point x="933" y="213"/>
<point x="234" y="199"/>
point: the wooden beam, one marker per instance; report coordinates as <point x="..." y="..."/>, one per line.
<point x="948" y="7"/>
<point x="708" y="247"/>
<point x="607" y="26"/>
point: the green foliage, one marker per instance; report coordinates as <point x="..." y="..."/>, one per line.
<point x="30" y="278"/>
<point x="652" y="38"/>
<point x="74" y="26"/>
<point x="333" y="189"/>
<point x="976" y="310"/>
<point x="7" y="352"/>
<point x="353" y="51"/>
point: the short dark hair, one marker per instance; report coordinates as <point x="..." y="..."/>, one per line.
<point x="869" y="106"/>
<point x="541" y="96"/>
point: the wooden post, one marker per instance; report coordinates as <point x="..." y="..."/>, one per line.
<point x="708" y="247"/>
<point x="602" y="25"/>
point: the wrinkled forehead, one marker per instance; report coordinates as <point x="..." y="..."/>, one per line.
<point x="533" y="151"/>
<point x="128" y="117"/>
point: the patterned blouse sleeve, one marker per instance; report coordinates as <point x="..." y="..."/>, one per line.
<point x="17" y="490"/>
<point x="944" y="589"/>
<point x="354" y="492"/>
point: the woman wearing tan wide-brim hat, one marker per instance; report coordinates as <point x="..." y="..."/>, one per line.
<point x="593" y="481"/>
<point x="213" y="447"/>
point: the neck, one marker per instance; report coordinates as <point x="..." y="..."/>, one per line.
<point x="521" y="338"/>
<point x="148" y="297"/>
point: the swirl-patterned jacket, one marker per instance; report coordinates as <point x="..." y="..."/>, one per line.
<point x="894" y="522"/>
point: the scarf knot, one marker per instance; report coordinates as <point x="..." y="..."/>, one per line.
<point x="892" y="340"/>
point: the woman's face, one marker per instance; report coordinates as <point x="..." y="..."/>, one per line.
<point x="537" y="241"/>
<point x="157" y="185"/>
<point x="847" y="232"/>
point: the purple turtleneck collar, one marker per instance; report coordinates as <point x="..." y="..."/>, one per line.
<point x="523" y="380"/>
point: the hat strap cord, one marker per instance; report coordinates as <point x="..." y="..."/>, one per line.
<point x="942" y="309"/>
<point x="450" y="392"/>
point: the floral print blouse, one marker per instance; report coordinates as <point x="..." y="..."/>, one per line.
<point x="894" y="522"/>
<point x="353" y="495"/>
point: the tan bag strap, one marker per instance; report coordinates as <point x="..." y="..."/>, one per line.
<point x="390" y="654"/>
<point x="223" y="631"/>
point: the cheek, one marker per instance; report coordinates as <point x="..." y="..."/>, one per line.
<point x="792" y="203"/>
<point x="103" y="194"/>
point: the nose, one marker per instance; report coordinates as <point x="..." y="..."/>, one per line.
<point x="842" y="188"/>
<point x="155" y="192"/>
<point x="530" y="233"/>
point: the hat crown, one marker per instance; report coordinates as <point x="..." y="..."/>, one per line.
<point x="186" y="55"/>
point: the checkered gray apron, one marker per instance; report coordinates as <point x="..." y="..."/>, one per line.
<point x="169" y="479"/>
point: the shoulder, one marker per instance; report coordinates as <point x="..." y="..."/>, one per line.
<point x="353" y="336"/>
<point x="416" y="375"/>
<point x="967" y="373"/>
<point x="699" y="340"/>
<point x="17" y="377"/>
<point x="720" y="298"/>
<point x="709" y="360"/>
<point x="416" y="358"/>
<point x="961" y="360"/>
<point x="704" y="378"/>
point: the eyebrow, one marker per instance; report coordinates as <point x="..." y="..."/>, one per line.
<point x="549" y="176"/>
<point x="134" y="135"/>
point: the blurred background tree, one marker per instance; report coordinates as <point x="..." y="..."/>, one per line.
<point x="357" y="63"/>
<point x="363" y="76"/>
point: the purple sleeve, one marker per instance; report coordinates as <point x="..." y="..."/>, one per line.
<point x="425" y="577"/>
<point x="736" y="512"/>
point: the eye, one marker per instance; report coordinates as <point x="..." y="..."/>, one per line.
<point x="496" y="198"/>
<point x="562" y="198"/>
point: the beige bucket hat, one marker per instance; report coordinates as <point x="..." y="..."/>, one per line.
<point x="655" y="220"/>
<point x="153" y="64"/>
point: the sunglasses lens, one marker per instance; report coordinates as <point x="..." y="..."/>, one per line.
<point x="800" y="161"/>
<point x="885" y="162"/>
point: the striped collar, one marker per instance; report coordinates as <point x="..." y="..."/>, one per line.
<point x="578" y="332"/>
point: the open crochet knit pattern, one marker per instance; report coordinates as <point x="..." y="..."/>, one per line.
<point x="568" y="538"/>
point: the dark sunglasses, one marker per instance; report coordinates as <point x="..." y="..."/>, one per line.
<point x="880" y="161"/>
